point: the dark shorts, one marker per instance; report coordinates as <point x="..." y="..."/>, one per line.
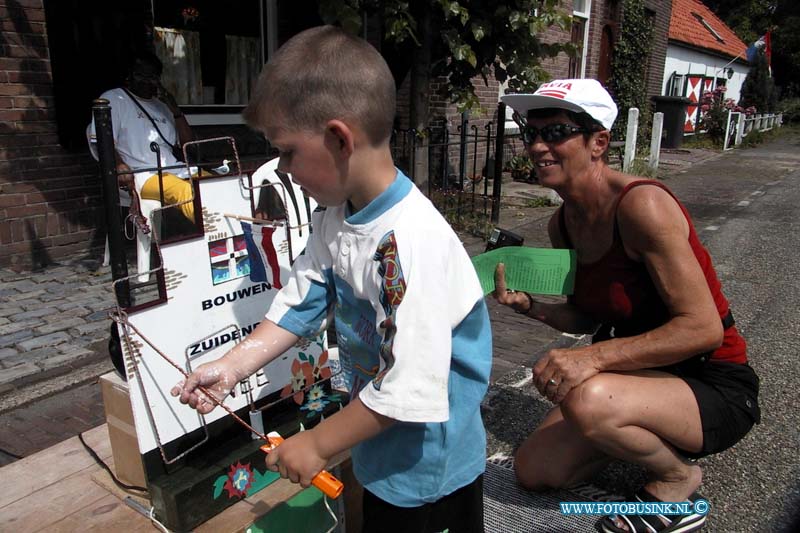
<point x="727" y="394"/>
<point x="459" y="512"/>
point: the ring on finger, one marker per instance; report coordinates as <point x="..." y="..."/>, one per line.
<point x="551" y="381"/>
<point x="510" y="291"/>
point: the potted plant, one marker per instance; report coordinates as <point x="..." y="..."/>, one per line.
<point x="521" y="168"/>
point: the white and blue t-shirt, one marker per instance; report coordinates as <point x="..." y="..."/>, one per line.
<point x="413" y="335"/>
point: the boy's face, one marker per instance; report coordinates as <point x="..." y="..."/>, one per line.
<point x="313" y="161"/>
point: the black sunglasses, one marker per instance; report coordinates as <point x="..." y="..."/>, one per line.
<point x="552" y="133"/>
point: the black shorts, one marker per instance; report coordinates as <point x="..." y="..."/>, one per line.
<point x="727" y="394"/>
<point x="458" y="512"/>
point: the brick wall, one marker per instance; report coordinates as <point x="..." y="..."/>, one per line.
<point x="658" y="52"/>
<point x="595" y="31"/>
<point x="49" y="198"/>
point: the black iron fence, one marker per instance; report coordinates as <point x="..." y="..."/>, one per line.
<point x="463" y="165"/>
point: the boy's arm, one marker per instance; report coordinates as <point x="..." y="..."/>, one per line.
<point x="264" y="344"/>
<point x="302" y="456"/>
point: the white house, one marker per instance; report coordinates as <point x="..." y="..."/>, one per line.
<point x="702" y="53"/>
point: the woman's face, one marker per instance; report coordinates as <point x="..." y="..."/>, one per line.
<point x="560" y="161"/>
<point x="144" y="80"/>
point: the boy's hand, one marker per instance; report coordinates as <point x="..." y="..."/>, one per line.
<point x="298" y="458"/>
<point x="218" y="377"/>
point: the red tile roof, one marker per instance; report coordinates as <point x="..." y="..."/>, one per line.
<point x="685" y="27"/>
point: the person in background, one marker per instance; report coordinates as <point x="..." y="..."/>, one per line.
<point x="143" y="111"/>
<point x="666" y="378"/>
<point x="412" y="324"/>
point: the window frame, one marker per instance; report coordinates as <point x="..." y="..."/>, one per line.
<point x="231" y="114"/>
<point x="586" y="15"/>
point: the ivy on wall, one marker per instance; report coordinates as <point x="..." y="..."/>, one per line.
<point x="628" y="83"/>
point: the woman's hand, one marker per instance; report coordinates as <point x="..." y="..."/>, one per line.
<point x="518" y="301"/>
<point x="217" y="377"/>
<point x="298" y="458"/>
<point x="561" y="370"/>
<point x="124" y="177"/>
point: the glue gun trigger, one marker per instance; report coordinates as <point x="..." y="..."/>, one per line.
<point x="273" y="440"/>
<point x="324" y="481"/>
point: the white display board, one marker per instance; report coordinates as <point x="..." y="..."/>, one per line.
<point x="211" y="305"/>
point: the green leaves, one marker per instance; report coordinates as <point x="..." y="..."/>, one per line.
<point x="346" y="14"/>
<point x="470" y="38"/>
<point x="628" y="65"/>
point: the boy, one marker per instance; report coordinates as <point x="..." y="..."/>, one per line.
<point x="412" y="327"/>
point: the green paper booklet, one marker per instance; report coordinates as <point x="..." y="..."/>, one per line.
<point x="534" y="270"/>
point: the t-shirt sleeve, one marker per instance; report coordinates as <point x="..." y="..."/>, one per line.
<point x="117" y="104"/>
<point x="428" y="288"/>
<point x="302" y="305"/>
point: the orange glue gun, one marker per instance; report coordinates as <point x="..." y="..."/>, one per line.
<point x="324" y="481"/>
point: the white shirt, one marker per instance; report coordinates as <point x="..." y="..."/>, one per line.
<point x="133" y="132"/>
<point x="413" y="335"/>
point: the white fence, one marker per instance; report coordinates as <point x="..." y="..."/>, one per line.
<point x="738" y="126"/>
<point x="736" y="129"/>
<point x="630" y="139"/>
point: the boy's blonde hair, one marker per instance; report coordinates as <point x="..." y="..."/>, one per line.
<point x="323" y="74"/>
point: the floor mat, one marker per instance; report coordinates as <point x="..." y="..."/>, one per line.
<point x="511" y="509"/>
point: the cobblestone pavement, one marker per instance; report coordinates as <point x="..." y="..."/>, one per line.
<point x="54" y="328"/>
<point x="51" y="320"/>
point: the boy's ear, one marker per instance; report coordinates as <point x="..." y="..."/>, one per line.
<point x="343" y="135"/>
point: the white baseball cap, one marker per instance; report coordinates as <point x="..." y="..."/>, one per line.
<point x="580" y="96"/>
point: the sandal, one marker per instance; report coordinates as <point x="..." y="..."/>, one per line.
<point x="653" y="523"/>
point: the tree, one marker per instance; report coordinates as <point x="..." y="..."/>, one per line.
<point x="461" y="40"/>
<point x="758" y="89"/>
<point x="628" y="80"/>
<point x="457" y="41"/>
<point x="750" y="19"/>
<point x="786" y="47"/>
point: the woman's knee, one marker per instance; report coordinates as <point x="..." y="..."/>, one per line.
<point x="535" y="474"/>
<point x="591" y="404"/>
<point x="540" y="464"/>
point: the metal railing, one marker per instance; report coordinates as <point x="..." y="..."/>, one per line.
<point x="464" y="168"/>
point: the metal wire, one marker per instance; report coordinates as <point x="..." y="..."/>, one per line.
<point x="185" y="374"/>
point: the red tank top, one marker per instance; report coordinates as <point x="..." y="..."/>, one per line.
<point x="618" y="292"/>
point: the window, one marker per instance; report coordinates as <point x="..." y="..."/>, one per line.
<point x="581" y="8"/>
<point x="707" y="26"/>
<point x="212" y="51"/>
<point x="676" y="84"/>
<point x="576" y="63"/>
<point x="580" y="37"/>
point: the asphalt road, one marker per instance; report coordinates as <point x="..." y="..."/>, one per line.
<point x="745" y="208"/>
